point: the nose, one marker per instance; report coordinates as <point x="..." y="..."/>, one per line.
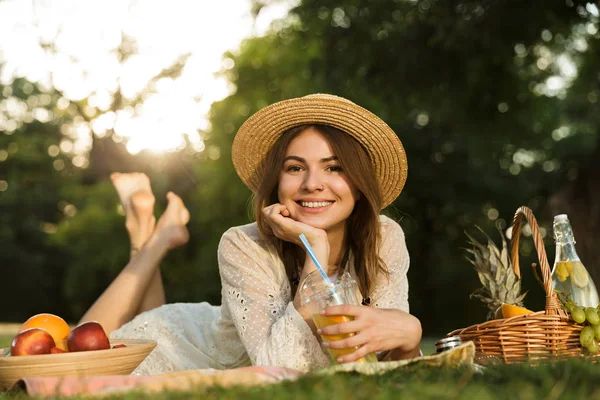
<point x="313" y="181"/>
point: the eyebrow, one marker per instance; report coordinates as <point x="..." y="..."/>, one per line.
<point x="300" y="159"/>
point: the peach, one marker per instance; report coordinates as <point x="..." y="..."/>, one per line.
<point x="32" y="341"/>
<point x="56" y="350"/>
<point x="88" y="336"/>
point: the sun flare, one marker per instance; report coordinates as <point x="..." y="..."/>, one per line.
<point x="85" y="65"/>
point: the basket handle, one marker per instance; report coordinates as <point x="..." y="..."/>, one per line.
<point x="553" y="306"/>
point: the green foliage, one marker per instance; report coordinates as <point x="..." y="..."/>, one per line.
<point x="456" y="72"/>
<point x="439" y="74"/>
<point x="30" y="206"/>
<point x="96" y="242"/>
<point x="461" y="84"/>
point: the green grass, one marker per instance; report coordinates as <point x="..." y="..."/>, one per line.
<point x="573" y="380"/>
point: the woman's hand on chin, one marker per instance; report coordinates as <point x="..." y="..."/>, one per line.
<point x="285" y="228"/>
<point x="374" y="330"/>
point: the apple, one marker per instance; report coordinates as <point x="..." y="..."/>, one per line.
<point x="88" y="336"/>
<point x="32" y="341"/>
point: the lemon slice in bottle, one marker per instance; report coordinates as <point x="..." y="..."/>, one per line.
<point x="562" y="271"/>
<point x="579" y="276"/>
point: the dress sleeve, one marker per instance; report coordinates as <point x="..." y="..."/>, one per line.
<point x="392" y="291"/>
<point x="256" y="291"/>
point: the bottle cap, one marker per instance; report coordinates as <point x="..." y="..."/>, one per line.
<point x="563" y="233"/>
<point x="447" y="343"/>
<point x="561" y="217"/>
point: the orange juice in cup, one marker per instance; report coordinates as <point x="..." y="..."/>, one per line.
<point x="317" y="295"/>
<point x="321" y="321"/>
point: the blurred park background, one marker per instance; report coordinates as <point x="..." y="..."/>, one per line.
<point x="496" y="103"/>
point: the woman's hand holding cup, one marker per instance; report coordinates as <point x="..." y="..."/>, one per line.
<point x="373" y="330"/>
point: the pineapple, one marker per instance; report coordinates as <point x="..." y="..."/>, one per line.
<point x="501" y="285"/>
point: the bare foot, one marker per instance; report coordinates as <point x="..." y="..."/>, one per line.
<point x="138" y="203"/>
<point x="171" y="225"/>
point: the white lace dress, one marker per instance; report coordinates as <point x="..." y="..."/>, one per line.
<point x="257" y="322"/>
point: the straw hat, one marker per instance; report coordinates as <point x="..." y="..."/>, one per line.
<point x="256" y="136"/>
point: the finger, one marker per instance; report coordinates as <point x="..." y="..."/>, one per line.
<point x="279" y="212"/>
<point x="341" y="328"/>
<point x="270" y="208"/>
<point x="267" y="210"/>
<point x="357" y="355"/>
<point x="348" y="343"/>
<point x="344" y="309"/>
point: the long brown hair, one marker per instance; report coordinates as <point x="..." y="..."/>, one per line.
<point x="363" y="232"/>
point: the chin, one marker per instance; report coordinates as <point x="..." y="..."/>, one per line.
<point x="319" y="224"/>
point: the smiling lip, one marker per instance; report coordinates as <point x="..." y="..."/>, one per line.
<point x="313" y="206"/>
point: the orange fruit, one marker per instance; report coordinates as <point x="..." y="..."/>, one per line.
<point x="53" y="324"/>
<point x="62" y="344"/>
<point x="510" y="310"/>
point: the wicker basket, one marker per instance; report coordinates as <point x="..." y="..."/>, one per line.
<point x="543" y="335"/>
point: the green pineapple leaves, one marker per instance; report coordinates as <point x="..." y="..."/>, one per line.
<point x="499" y="282"/>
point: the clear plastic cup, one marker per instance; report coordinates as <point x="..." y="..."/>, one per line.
<point x="316" y="295"/>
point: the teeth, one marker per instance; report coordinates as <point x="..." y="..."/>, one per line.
<point x="315" y="204"/>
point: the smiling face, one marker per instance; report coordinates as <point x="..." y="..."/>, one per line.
<point x="313" y="186"/>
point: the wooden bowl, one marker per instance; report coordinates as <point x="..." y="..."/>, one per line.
<point x="120" y="361"/>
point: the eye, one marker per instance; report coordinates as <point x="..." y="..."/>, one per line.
<point x="293" y="168"/>
<point x="334" y="168"/>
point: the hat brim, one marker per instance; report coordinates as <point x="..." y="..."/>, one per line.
<point x="258" y="134"/>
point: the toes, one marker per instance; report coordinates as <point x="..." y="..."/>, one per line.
<point x="174" y="200"/>
<point x="176" y="209"/>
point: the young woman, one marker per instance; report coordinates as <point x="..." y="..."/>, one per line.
<point x="318" y="165"/>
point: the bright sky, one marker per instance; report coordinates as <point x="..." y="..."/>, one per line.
<point x="85" y="33"/>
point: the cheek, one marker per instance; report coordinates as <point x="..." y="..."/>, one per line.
<point x="287" y="188"/>
<point x="344" y="189"/>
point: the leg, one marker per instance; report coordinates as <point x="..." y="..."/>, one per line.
<point x="123" y="297"/>
<point x="175" y="217"/>
<point x="137" y="201"/>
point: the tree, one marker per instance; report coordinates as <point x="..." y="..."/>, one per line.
<point x="32" y="173"/>
<point x="466" y="92"/>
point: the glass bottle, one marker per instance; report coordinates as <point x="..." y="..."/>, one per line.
<point x="568" y="274"/>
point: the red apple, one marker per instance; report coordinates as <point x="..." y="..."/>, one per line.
<point x="32" y="341"/>
<point x="88" y="336"/>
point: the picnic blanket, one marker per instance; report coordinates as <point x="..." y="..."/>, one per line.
<point x="180" y="381"/>
<point x="247" y="376"/>
<point x="463" y="355"/>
